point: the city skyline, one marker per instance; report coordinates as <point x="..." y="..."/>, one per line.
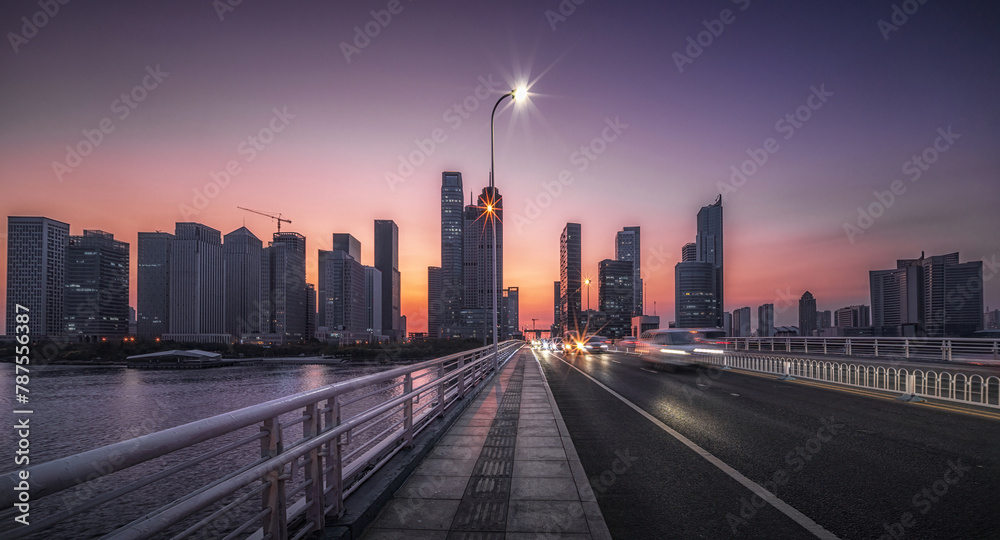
<point x="335" y="147"/>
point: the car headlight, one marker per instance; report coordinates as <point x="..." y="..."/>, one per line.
<point x="675" y="351"/>
<point x="709" y="351"/>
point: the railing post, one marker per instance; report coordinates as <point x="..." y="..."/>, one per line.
<point x="461" y="376"/>
<point x="273" y="496"/>
<point x="906" y="347"/>
<point x="996" y="350"/>
<point x="876" y="347"/>
<point x="947" y="347"/>
<point x="335" y="461"/>
<point x="824" y="346"/>
<point x="408" y="411"/>
<point x="848" y="346"/>
<point x="805" y="345"/>
<point x="314" y="472"/>
<point x="439" y="410"/>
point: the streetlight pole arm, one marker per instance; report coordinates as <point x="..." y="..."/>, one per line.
<point x="492" y="115"/>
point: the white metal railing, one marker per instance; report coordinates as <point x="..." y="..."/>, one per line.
<point x="281" y="480"/>
<point x="973" y="389"/>
<point x="946" y="349"/>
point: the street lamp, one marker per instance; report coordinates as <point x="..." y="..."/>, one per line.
<point x="518" y="94"/>
<point x="586" y="282"/>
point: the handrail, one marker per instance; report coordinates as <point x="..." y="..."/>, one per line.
<point x="920" y="348"/>
<point x="448" y="379"/>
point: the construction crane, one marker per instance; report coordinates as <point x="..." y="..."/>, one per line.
<point x="277" y="218"/>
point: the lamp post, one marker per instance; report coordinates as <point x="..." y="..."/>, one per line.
<point x="516" y="94"/>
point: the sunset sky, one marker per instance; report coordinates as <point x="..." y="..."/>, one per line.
<point x="337" y="115"/>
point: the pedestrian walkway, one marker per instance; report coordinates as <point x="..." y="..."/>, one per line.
<point x="507" y="470"/>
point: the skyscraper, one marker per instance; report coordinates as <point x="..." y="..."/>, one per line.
<point x="36" y="273"/>
<point x="511" y="312"/>
<point x="452" y="259"/>
<point x="341" y="300"/>
<point x="628" y="247"/>
<point x="694" y="296"/>
<point x="480" y="297"/>
<point x="709" y="245"/>
<point x="765" y="320"/>
<point x="348" y="244"/>
<point x="387" y="262"/>
<point x="807" y="314"/>
<point x="241" y="257"/>
<point x="824" y="319"/>
<point x="287" y="285"/>
<point x="570" y="279"/>
<point x="615" y="296"/>
<point x="434" y="303"/>
<point x="311" y="314"/>
<point x="97" y="286"/>
<point x="741" y="322"/>
<point x="555" y="330"/>
<point x="373" y="301"/>
<point x="153" y="284"/>
<point x="196" y="278"/>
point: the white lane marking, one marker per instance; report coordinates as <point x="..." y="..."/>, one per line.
<point x="815" y="528"/>
<point x="649" y="370"/>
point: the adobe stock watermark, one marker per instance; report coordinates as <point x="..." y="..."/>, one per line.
<point x="364" y="34"/>
<point x="582" y="157"/>
<point x="789" y="124"/>
<point x="925" y="499"/>
<point x="123" y="106"/>
<point x="914" y="168"/>
<point x="454" y="116"/>
<point x="796" y="461"/>
<point x="225" y="7"/>
<point x="561" y="14"/>
<point x="30" y="26"/>
<point x="698" y="43"/>
<point x="249" y="148"/>
<point x="899" y="16"/>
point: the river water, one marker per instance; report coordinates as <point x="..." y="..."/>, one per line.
<point x="81" y="408"/>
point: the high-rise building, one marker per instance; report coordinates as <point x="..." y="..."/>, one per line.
<point x="694" y="296"/>
<point x="97" y="286"/>
<point x="710" y="250"/>
<point x="570" y="279"/>
<point x="629" y="248"/>
<point x="387" y="262"/>
<point x="741" y="322"/>
<point x="311" y="314"/>
<point x="452" y="259"/>
<point x="615" y="296"/>
<point x="765" y="320"/>
<point x="931" y="296"/>
<point x="555" y="330"/>
<point x="807" y="314"/>
<point x="196" y="283"/>
<point x="480" y="298"/>
<point x="689" y="253"/>
<point x="36" y="274"/>
<point x="342" y="293"/>
<point x="434" y="302"/>
<point x="511" y="312"/>
<point x="824" y="319"/>
<point x="727" y="323"/>
<point x="153" y="284"/>
<point x="991" y="319"/>
<point x="287" y="288"/>
<point x="242" y="253"/>
<point x="373" y="301"/>
<point x="852" y="317"/>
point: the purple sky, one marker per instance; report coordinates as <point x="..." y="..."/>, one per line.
<point x="345" y="124"/>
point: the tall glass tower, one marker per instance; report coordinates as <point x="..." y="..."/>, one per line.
<point x="452" y="238"/>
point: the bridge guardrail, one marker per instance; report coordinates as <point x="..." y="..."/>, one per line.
<point x="914" y="348"/>
<point x="909" y="382"/>
<point x="315" y="448"/>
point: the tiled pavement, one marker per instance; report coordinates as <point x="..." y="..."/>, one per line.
<point x="506" y="470"/>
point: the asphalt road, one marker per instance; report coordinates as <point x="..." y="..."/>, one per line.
<point x="695" y="458"/>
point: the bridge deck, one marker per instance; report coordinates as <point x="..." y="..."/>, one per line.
<point x="506" y="469"/>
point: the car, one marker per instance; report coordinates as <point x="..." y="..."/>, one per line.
<point x="678" y="347"/>
<point x="591" y="345"/>
<point x="628" y="344"/>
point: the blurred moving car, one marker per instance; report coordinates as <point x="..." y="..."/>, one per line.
<point x="676" y="347"/>
<point x="628" y="344"/>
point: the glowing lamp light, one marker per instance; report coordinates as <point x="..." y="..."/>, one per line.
<point x="520" y="94"/>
